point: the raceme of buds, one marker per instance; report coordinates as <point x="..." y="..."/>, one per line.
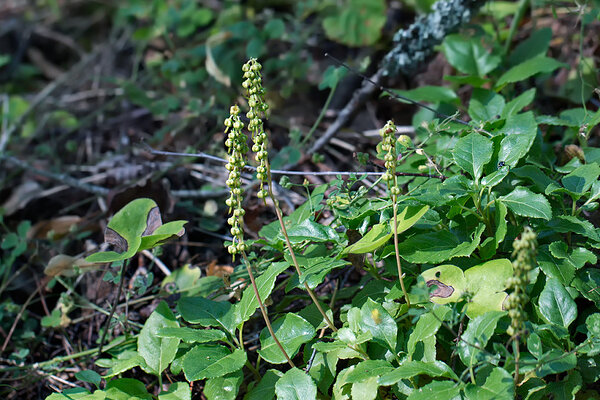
<point x="525" y="249"/>
<point x="388" y="145"/>
<point x="236" y="150"/>
<point x="258" y="107"/>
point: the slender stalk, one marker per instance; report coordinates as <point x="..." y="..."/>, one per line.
<point x="114" y="306"/>
<point x="517" y="359"/>
<point x="263" y="310"/>
<point x="400" y="274"/>
<point x="292" y="253"/>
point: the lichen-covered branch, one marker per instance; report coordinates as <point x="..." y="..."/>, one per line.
<point x="412" y="46"/>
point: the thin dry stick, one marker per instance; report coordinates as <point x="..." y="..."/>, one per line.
<point x="263" y="310"/>
<point x="291" y="250"/>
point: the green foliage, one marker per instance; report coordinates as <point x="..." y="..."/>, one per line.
<point x="447" y="336"/>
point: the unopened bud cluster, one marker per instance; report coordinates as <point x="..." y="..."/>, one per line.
<point x="258" y="107"/>
<point x="525" y="249"/>
<point x="388" y="145"/>
<point x="236" y="149"/>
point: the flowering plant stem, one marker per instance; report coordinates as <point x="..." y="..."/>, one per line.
<point x="400" y="274"/>
<point x="263" y="309"/>
<point x="311" y="293"/>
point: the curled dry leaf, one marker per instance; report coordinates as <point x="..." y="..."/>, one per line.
<point x="64" y="265"/>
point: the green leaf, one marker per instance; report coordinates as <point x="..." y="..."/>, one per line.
<point x="205" y="361"/>
<point x="526" y="69"/>
<point x="90" y="376"/>
<point x="485" y="105"/>
<point x="77" y="394"/>
<point x="309" y="230"/>
<point x="126" y="389"/>
<point x="430" y="94"/>
<point x="587" y="282"/>
<point x="331" y="77"/>
<point x="495" y="177"/>
<point x="408" y="369"/>
<point x="581" y="179"/>
<point x="535" y="45"/>
<point x="359" y="23"/>
<point x="295" y="385"/>
<point x="158" y="352"/>
<point x="468" y="55"/>
<point x="439" y="246"/>
<point x="314" y="269"/>
<point x="265" y="390"/>
<point x="124" y="362"/>
<point x="519" y="133"/>
<point x="224" y="387"/>
<point x="189" y="335"/>
<point x="536" y="176"/>
<point x="476" y="336"/>
<point x="499" y="385"/>
<point x="472" y="152"/>
<point x="366" y="389"/>
<point x="518" y="103"/>
<point x="426" y="327"/>
<point x="592" y="323"/>
<point x="198" y="310"/>
<point x="139" y="218"/>
<point x="555" y="268"/>
<point x="177" y="391"/>
<point x="577" y="258"/>
<point x="556" y="361"/>
<point x="376" y="320"/>
<point x="525" y="203"/>
<point x="436" y="390"/>
<point x="556" y="305"/>
<point x="248" y="304"/>
<point x="292" y="331"/>
<point x="381" y="233"/>
<point x="368" y="369"/>
<point x="568" y="388"/>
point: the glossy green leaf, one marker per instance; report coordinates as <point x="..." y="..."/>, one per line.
<point x="265" y="389"/>
<point x="408" y="369"/>
<point x="124" y="362"/>
<point x="526" y="69"/>
<point x="479" y="331"/>
<point x="190" y="335"/>
<point x="519" y="133"/>
<point x="556" y="305"/>
<point x="198" y="310"/>
<point x="77" y="394"/>
<point x="468" y="55"/>
<point x="555" y="361"/>
<point x="587" y="282"/>
<point x="539" y="180"/>
<point x="376" y="320"/>
<point x="248" y="304"/>
<point x="381" y="233"/>
<point x="581" y="179"/>
<point x="426" y="327"/>
<point x="499" y="385"/>
<point x="472" y="152"/>
<point x="314" y="269"/>
<point x="572" y="224"/>
<point x="368" y="369"/>
<point x="127" y="389"/>
<point x="577" y="257"/>
<point x="495" y="177"/>
<point x="592" y="323"/>
<point x="177" y="391"/>
<point x="525" y="203"/>
<point x="438" y="246"/>
<point x="224" y="387"/>
<point x="568" y="388"/>
<point x="158" y="352"/>
<point x="518" y="103"/>
<point x="485" y="105"/>
<point x="292" y="331"/>
<point x="310" y="230"/>
<point x="436" y="390"/>
<point x="295" y="385"/>
<point x="555" y="268"/>
<point x="205" y="361"/>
